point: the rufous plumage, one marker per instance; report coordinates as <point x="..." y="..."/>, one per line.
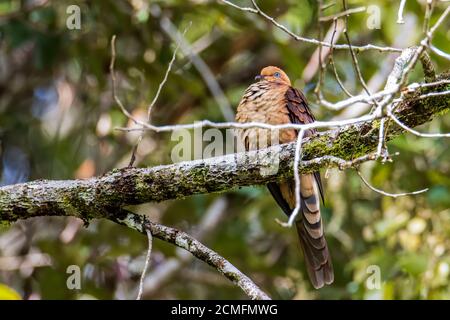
<point x="273" y="100"/>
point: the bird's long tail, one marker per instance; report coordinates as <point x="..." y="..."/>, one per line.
<point x="312" y="238"/>
<point x="309" y="227"/>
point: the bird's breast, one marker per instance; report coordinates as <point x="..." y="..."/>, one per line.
<point x="261" y="101"/>
<point x="264" y="102"/>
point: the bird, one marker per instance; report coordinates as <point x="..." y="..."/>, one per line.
<point x="272" y="100"/>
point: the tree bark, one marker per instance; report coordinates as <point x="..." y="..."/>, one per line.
<point x="98" y="197"/>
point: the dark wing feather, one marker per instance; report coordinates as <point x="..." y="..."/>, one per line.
<point x="298" y="107"/>
<point x="299" y="113"/>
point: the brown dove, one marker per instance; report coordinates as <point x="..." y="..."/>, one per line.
<point x="273" y="100"/>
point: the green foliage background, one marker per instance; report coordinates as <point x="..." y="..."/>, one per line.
<point x="58" y="120"/>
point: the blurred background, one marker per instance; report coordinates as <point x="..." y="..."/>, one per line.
<point x="58" y="120"/>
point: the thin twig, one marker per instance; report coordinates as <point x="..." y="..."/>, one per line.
<point x="428" y="12"/>
<point x="342" y="14"/>
<point x="352" y="52"/>
<point x="423" y="44"/>
<point x="321" y="66"/>
<point x="415" y="86"/>
<point x="363" y="83"/>
<point x="377" y="81"/>
<point x="433" y="94"/>
<point x="147" y="262"/>
<point x="248" y="125"/>
<point x="113" y="81"/>
<point x="333" y="64"/>
<point x="384" y="193"/>
<point x="196" y="248"/>
<point x="405" y="71"/>
<point x="164" y="80"/>
<point x="297" y="158"/>
<point x="155" y="98"/>
<point x="298" y="152"/>
<point x="417" y="133"/>
<point x="344" y="164"/>
<point x="258" y="11"/>
<point x="388" y="93"/>
<point x="439" y="52"/>
<point x="400" y="12"/>
<point x="381" y="138"/>
<point x="312" y="66"/>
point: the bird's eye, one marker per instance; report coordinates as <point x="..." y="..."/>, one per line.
<point x="277" y="75"/>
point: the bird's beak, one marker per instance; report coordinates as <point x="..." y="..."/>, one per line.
<point x="259" y="77"/>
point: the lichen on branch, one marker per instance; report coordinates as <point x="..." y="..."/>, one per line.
<point x="98" y="196"/>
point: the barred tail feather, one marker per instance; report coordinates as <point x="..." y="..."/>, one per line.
<point x="309" y="226"/>
<point x="312" y="238"/>
<point x="318" y="261"/>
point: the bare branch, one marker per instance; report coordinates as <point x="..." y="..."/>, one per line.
<point x="384" y="193"/>
<point x="417" y="133"/>
<point x="258" y="11"/>
<point x="298" y="156"/>
<point x="342" y="14"/>
<point x="352" y="53"/>
<point x="439" y="52"/>
<point x="247" y="125"/>
<point x="415" y="86"/>
<point x="423" y="44"/>
<point x="428" y="12"/>
<point x="409" y="66"/>
<point x="433" y="94"/>
<point x="196" y="248"/>
<point x="312" y="66"/>
<point x="164" y="80"/>
<point x="363" y="83"/>
<point x="113" y="81"/>
<point x="333" y="64"/>
<point x="400" y="12"/>
<point x="147" y="262"/>
<point x="320" y="64"/>
<point x="155" y="98"/>
<point x="378" y="79"/>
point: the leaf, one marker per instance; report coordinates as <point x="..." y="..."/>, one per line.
<point x="7" y="293"/>
<point x="414" y="264"/>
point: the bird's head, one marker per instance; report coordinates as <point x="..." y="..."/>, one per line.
<point x="273" y="74"/>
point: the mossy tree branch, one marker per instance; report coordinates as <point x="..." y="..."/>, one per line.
<point x="98" y="197"/>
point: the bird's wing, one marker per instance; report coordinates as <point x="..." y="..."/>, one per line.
<point x="299" y="113"/>
<point x="298" y="107"/>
